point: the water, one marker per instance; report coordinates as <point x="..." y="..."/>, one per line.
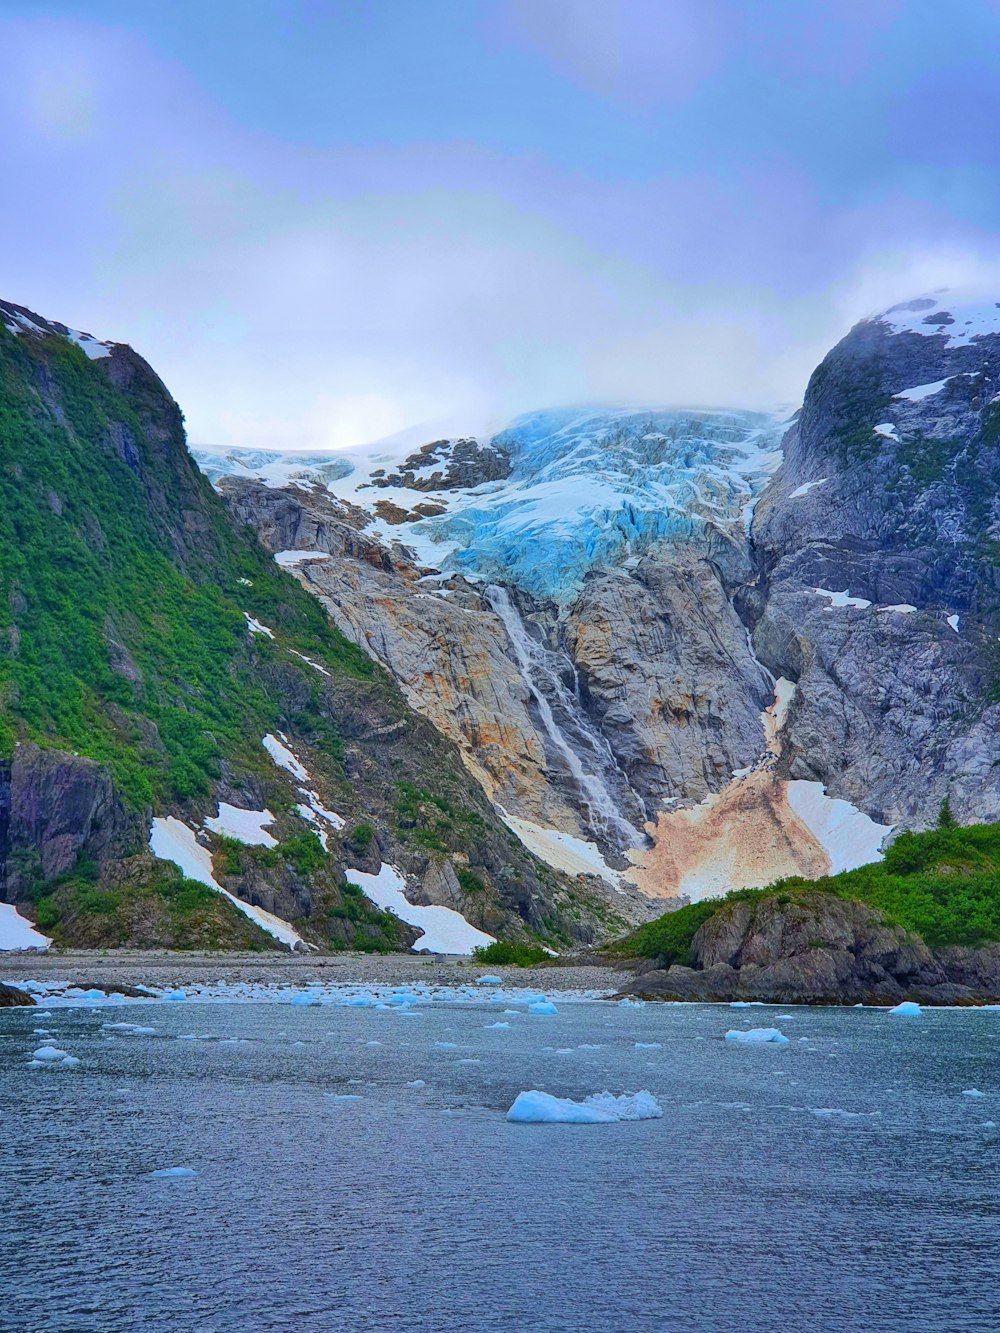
<point x="423" y="1210"/>
<point x="606" y="820"/>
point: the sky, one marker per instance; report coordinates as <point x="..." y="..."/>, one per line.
<point x="324" y="221"/>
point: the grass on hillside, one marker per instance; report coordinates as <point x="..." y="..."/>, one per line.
<point x="943" y="885"/>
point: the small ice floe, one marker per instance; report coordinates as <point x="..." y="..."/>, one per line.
<point x="344" y="1096"/>
<point x="489" y="981"/>
<point x="648" y="1046"/>
<point x="51" y="1057"/>
<point x="304" y="998"/>
<point x="175" y="996"/>
<point x="761" y="1036"/>
<point x="744" y="1004"/>
<point x="626" y="1003"/>
<point x="564" y="1050"/>
<point x="973" y="1092"/>
<point x="490" y="1026"/>
<point x="838" y="1113"/>
<point x="470" y="1062"/>
<point x="416" y="1083"/>
<point x="906" y="1009"/>
<point x="173" y="1173"/>
<point x="129" y="1029"/>
<point x="446" y="1045"/>
<point x="600" y="1108"/>
<point x="374" y="1043"/>
<point x="542" y="1007"/>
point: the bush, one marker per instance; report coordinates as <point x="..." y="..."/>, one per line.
<point x="304" y="852"/>
<point x="506" y="953"/>
<point x="361" y="836"/>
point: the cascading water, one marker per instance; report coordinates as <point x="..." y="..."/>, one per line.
<point x="536" y="664"/>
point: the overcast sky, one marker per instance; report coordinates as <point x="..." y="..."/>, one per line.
<point x="328" y="220"/>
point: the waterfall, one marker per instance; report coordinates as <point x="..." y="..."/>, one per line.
<point x="536" y="667"/>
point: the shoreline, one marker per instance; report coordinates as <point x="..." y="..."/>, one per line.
<point x="141" y="967"/>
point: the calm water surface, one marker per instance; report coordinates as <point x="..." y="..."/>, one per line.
<point x="422" y="1209"/>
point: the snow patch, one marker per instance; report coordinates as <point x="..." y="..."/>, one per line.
<point x="887" y="430"/>
<point x="560" y="850"/>
<point x="172" y="840"/>
<point x="842" y="598"/>
<point x="953" y="622"/>
<point x="443" y="930"/>
<point x="255" y="627"/>
<point x="921" y="391"/>
<point x="17" y="933"/>
<point x="849" y="837"/>
<point x="806" y="487"/>
<point x="289" y="559"/>
<point x="246" y="826"/>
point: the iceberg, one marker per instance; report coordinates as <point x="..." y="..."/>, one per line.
<point x="600" y="1108"/>
<point x="973" y="1092"/>
<point x="907" y="1009"/>
<point x="542" y="1007"/>
<point x="489" y="981"/>
<point x="173" y="1173"/>
<point x="489" y="1026"/>
<point x="758" y="1036"/>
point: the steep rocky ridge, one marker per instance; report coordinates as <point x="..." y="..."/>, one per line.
<point x="148" y="645"/>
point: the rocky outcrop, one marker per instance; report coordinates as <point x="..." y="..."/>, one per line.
<point x="815" y="948"/>
<point x="10" y="996"/>
<point x="888" y="493"/>
<point x="54" y="809"/>
<point x="448" y="465"/>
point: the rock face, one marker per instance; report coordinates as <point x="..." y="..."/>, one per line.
<point x="10" y="996"/>
<point x="814" y="948"/>
<point x="448" y="465"/>
<point x="888" y="492"/>
<point x="54" y="808"/>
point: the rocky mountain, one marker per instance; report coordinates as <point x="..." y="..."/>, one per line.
<point x="191" y="753"/>
<point x="690" y="649"/>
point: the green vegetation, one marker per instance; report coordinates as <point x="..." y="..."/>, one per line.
<point x="304" y="852"/>
<point x="361" y="837"/>
<point x="943" y="885"/>
<point x="432" y="821"/>
<point x="504" y="953"/>
<point x="123" y="587"/>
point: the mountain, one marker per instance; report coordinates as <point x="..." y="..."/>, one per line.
<point x="168" y="688"/>
<point x="691" y="649"/>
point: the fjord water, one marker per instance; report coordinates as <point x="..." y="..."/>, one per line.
<point x="755" y="1203"/>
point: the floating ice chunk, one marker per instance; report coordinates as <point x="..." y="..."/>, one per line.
<point x="49" y="1055"/>
<point x="496" y="1025"/>
<point x="374" y="1043"/>
<point x="973" y="1092"/>
<point x="489" y="981"/>
<point x="130" y="1029"/>
<point x="837" y="1113"/>
<point x="745" y="1004"/>
<point x="173" y="1173"/>
<point x="446" y="1045"/>
<point x="542" y="1007"/>
<point x="601" y="1108"/>
<point x="416" y="1083"/>
<point x="630" y="1004"/>
<point x="648" y="1046"/>
<point x="175" y="996"/>
<point x="344" y="1096"/>
<point x="906" y="1009"/>
<point x="304" y="998"/>
<point x="470" y="1062"/>
<point x="758" y="1036"/>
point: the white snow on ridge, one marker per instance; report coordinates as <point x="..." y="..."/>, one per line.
<point x="849" y="837"/>
<point x="90" y="345"/>
<point x="921" y="391"/>
<point x="887" y="430"/>
<point x="959" y="315"/>
<point x="841" y="599"/>
<point x="17" y="933"/>
<point x="444" y="930"/>
<point x="288" y="559"/>
<point x="806" y="487"/>
<point x="171" y="840"/>
<point x="246" y="826"/>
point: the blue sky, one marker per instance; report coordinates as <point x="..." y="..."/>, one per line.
<point x="323" y="222"/>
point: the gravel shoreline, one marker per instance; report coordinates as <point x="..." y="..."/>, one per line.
<point x="127" y="967"/>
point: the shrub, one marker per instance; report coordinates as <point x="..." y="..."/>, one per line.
<point x="505" y="952"/>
